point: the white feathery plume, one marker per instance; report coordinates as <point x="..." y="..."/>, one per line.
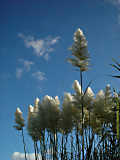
<point x="46" y="99"/>
<point x="37" y="100"/>
<point x="100" y="95"/>
<point x="77" y="87"/>
<point x="89" y="92"/>
<point x="68" y="97"/>
<point x="57" y="100"/>
<point x="19" y="118"/>
<point x="18" y="111"/>
<point x="30" y="111"/>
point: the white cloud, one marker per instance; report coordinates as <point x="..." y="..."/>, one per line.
<point x="19" y="72"/>
<point x="21" y="156"/>
<point x="25" y="68"/>
<point x="53" y="40"/>
<point x="41" y="47"/>
<point x="39" y="75"/>
<point x="27" y="64"/>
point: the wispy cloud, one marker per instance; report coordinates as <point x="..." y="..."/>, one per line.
<point x="46" y="56"/>
<point x="116" y="3"/>
<point x="41" y="47"/>
<point x="19" y="72"/>
<point x="21" y="156"/>
<point x="26" y="67"/>
<point x="27" y="64"/>
<point x="40" y="76"/>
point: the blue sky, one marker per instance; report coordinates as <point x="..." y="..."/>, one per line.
<point x="34" y="39"/>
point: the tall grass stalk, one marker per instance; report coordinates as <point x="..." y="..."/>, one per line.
<point x="24" y="144"/>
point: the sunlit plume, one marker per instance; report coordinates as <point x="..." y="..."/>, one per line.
<point x="100" y="95"/>
<point x="79" y="51"/>
<point x="19" y="119"/>
<point x="77" y="87"/>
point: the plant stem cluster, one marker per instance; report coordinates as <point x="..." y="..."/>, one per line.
<point x="83" y="126"/>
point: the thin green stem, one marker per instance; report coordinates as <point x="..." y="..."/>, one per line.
<point x="24" y="144"/>
<point x="35" y="149"/>
<point x="62" y="146"/>
<point x="81" y="78"/>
